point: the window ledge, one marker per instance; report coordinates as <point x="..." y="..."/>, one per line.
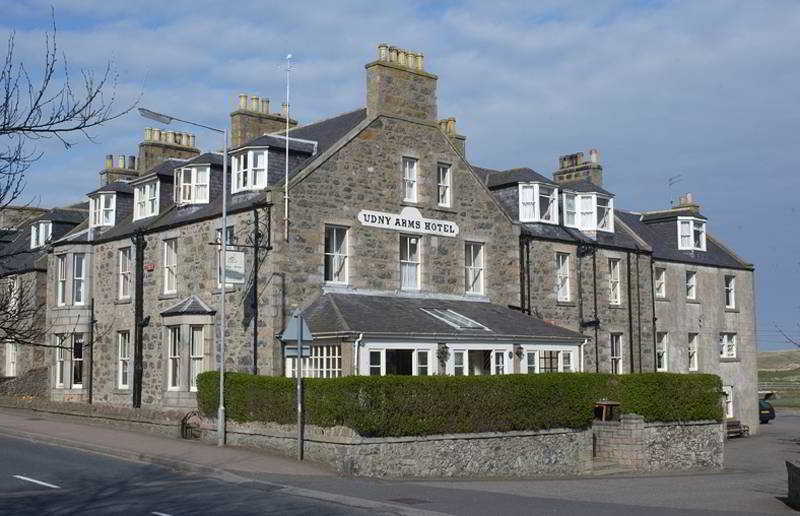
<point x="119" y="391"/>
<point x="663" y="299"/>
<point x="125" y="301"/>
<point x="729" y="360"/>
<point x="163" y="296"/>
<point x="566" y="303"/>
<point x="692" y="302"/>
<point x="616" y="307"/>
<point x="445" y="209"/>
<point x="731" y="310"/>
<point x="228" y="290"/>
<point x="411" y="203"/>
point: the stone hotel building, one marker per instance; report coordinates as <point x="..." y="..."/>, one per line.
<point x="404" y="258"/>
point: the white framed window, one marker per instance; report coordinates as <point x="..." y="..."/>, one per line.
<point x="727" y="401"/>
<point x="531" y="362"/>
<point x="146" y="200"/>
<point x="173" y="357"/>
<point x="727" y="345"/>
<point x="692" y="352"/>
<point x="61" y="280"/>
<point x="77" y="360"/>
<point x="691" y="234"/>
<point x="423" y="363"/>
<point x="170" y="266"/>
<point x="444" y="186"/>
<point x="79" y="278"/>
<point x="58" y="342"/>
<point x="473" y="267"/>
<point x="124" y="273"/>
<point x="40" y="233"/>
<point x="569" y="201"/>
<point x="562" y="277"/>
<point x="377" y="362"/>
<point x="249" y="170"/>
<point x="595" y="212"/>
<point x="410" y="179"/>
<point x="662" y="351"/>
<point x="538" y="203"/>
<point x="409" y="262"/>
<point x="604" y="213"/>
<point x="480" y="360"/>
<point x="325" y="362"/>
<point x="566" y="362"/>
<point x="691" y="285"/>
<point x="661" y="282"/>
<point x="614" y="297"/>
<point x="616" y="353"/>
<point x="196" y="354"/>
<point x="549" y="361"/>
<point x="123" y="359"/>
<point x="460" y="363"/>
<point x="11" y="359"/>
<point x="230" y="240"/>
<point x="191" y="185"/>
<point x="101" y="209"/>
<point x="336" y="254"/>
<point x="730" y="292"/>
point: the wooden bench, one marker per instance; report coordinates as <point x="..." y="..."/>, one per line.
<point x="735" y="428"/>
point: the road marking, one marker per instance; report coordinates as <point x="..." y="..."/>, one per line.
<point x="45" y="484"/>
<point x="160" y="514"/>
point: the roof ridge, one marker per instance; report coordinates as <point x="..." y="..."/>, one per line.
<point x="317" y="121"/>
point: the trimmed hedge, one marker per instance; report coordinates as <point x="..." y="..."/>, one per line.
<point x="393" y="406"/>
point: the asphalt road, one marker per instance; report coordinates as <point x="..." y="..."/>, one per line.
<point x="86" y="483"/>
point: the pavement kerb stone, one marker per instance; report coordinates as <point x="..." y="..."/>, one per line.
<point x="227" y="476"/>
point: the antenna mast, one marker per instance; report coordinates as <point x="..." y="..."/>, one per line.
<point x="286" y="164"/>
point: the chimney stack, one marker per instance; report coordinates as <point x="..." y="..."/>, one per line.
<point x="159" y="145"/>
<point x="398" y="85"/>
<point x="448" y="127"/>
<point x="252" y="119"/>
<point x="574" y="167"/>
<point x="687" y="202"/>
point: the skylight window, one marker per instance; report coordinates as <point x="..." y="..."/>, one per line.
<point x="455" y="319"/>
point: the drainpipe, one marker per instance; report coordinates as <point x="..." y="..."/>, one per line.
<point x="256" y="243"/>
<point x="138" y="317"/>
<point x="522" y="273"/>
<point x="653" y="302"/>
<point x="528" y="272"/>
<point x="630" y="314"/>
<point x="597" y="324"/>
<point x="92" y="322"/>
<point x="639" y="304"/>
<point x="583" y="345"/>
<point x="356" y="345"/>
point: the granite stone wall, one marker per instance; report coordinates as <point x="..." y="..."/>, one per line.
<point x="793" y="473"/>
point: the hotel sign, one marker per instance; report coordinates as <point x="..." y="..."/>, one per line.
<point x="410" y="220"/>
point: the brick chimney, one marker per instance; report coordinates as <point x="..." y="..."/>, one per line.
<point x="118" y="167"/>
<point x="159" y="145"/>
<point x="253" y="119"/>
<point x="574" y="167"/>
<point x="686" y="202"/>
<point x="448" y="127"/>
<point x="398" y="85"/>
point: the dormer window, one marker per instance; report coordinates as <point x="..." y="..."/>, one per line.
<point x="538" y="203"/>
<point x="102" y="208"/>
<point x="569" y="202"/>
<point x="145" y="200"/>
<point x="249" y="170"/>
<point x="191" y="185"/>
<point x="691" y="234"/>
<point x="40" y="233"/>
<point x="595" y="212"/>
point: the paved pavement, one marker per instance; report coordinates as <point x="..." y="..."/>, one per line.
<point x="754" y="480"/>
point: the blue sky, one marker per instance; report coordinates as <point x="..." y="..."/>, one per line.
<point x="703" y="89"/>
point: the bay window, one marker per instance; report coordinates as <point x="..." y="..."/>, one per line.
<point x="173" y="357"/>
<point x="145" y="200"/>
<point x="196" y="355"/>
<point x="191" y="185"/>
<point x="77" y="360"/>
<point x="538" y="203"/>
<point x="61" y="279"/>
<point x="102" y="208"/>
<point x="249" y="170"/>
<point x="595" y="212"/>
<point x="60" y="360"/>
<point x="691" y="234"/>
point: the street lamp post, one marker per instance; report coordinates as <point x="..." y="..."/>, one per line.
<point x="166" y="119"/>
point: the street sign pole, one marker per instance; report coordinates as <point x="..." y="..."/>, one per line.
<point x="299" y="377"/>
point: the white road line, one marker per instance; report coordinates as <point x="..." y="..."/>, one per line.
<point x="45" y="484"/>
<point x="160" y="514"/>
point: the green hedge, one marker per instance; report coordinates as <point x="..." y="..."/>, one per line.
<point x="392" y="406"/>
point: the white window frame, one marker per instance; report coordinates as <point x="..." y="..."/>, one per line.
<point x="531" y="198"/>
<point x="687" y="228"/>
<point x="727" y="401"/>
<point x="727" y="345"/>
<point x="410" y="261"/>
<point x="691" y="285"/>
<point x="662" y="347"/>
<point x="568" y="198"/>
<point x="614" y="283"/>
<point x="124" y="258"/>
<point x="61" y="368"/>
<point x="231" y="241"/>
<point x="102" y="209"/>
<point x="77" y="363"/>
<point x="173" y="358"/>
<point x="79" y="279"/>
<point x="563" y="293"/>
<point x="61" y="279"/>
<point x="325" y="362"/>
<point x="730" y="292"/>
<point x="194" y="191"/>
<point x="615" y="341"/>
<point x="692" y="350"/>
<point x="11" y="358"/>
<point x="473" y="268"/>
<point x="588" y="212"/>
<point x="123" y="359"/>
<point x="660" y="281"/>
<point x="335" y="262"/>
<point x="197" y="348"/>
<point x="500" y="362"/>
<point x="444" y="180"/>
<point x="146" y="199"/>
<point x="41" y="231"/>
<point x="170" y="256"/>
<point x="410" y="175"/>
<point x="246" y="175"/>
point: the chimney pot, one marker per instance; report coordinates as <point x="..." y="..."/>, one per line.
<point x="121" y="161"/>
<point x="383" y="52"/>
<point x="285" y="109"/>
<point x="451" y="126"/>
<point x="156" y="134"/>
<point x="109" y="161"/>
<point x="594" y="155"/>
<point x="131" y="162"/>
<point x="401" y="57"/>
<point x="420" y="62"/>
<point x="392" y="55"/>
<point x="191" y="136"/>
<point x="148" y="134"/>
<point x="255" y="103"/>
<point x="265" y="105"/>
<point x="242" y="101"/>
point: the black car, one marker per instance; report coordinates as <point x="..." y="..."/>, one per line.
<point x="765" y="411"/>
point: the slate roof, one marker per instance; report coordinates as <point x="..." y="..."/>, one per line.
<point x="192" y="305"/>
<point x="163" y="169"/>
<point x="329" y="131"/>
<point x="663" y="238"/>
<point x="116" y="186"/>
<point x="620" y="238"/>
<point x="274" y="141"/>
<point x="392" y="315"/>
<point x="586" y="187"/>
<point x="652" y="216"/>
<point x="498" y="178"/>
